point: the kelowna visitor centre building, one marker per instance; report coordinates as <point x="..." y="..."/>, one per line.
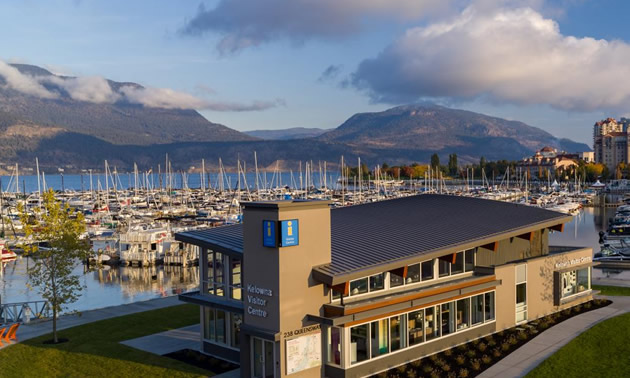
<point x="304" y="290"/>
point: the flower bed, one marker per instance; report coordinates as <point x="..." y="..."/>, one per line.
<point x="472" y="358"/>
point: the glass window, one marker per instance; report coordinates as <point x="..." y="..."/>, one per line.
<point x="359" y="286"/>
<point x="218" y="274"/>
<point x="335" y="294"/>
<point x="521" y="293"/>
<point x="208" y="330"/>
<point x="583" y="282"/>
<point x="413" y="273"/>
<point x="236" y="320"/>
<point x="235" y="266"/>
<point x="448" y="318"/>
<point x="395" y="280"/>
<point x="470" y="260"/>
<point x="210" y="271"/>
<point x="444" y="268"/>
<point x="334" y="346"/>
<point x="463" y="313"/>
<point x="220" y="326"/>
<point x="359" y="343"/>
<point x="397" y="332"/>
<point x="477" y="309"/>
<point x="377" y="282"/>
<point x="427" y="270"/>
<point x="569" y="283"/>
<point x="489" y="306"/>
<point x="458" y="267"/>
<point x="379" y="337"/>
<point x="416" y="327"/>
<point x="432" y="330"/>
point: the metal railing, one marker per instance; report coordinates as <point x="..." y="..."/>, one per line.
<point x="24" y="311"/>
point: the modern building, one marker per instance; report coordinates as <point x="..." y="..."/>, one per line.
<point x="547" y="161"/>
<point x="587" y="156"/>
<point x="299" y="289"/>
<point x="610" y="142"/>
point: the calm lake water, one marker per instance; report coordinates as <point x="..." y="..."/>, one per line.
<point x="108" y="287"/>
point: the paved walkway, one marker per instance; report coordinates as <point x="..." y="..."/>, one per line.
<point x="39" y="328"/>
<point x="168" y="341"/>
<point x="526" y="358"/>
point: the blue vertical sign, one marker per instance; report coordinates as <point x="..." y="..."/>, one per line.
<point x="289" y="233"/>
<point x="269" y="233"/>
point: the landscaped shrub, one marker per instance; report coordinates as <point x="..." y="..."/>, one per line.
<point x="492" y="343"/>
<point x="402" y="369"/>
<point x="427" y="369"/>
<point x="505" y="346"/>
<point x="463" y="373"/>
<point x="471" y="353"/>
<point x="448" y="352"/>
<point x="437" y="373"/>
<point x="433" y="357"/>
<point x="588" y="305"/>
<point x="522" y="335"/>
<point x="475" y="364"/>
<point x="462" y="347"/>
<point x="496" y="352"/>
<point x="460" y="359"/>
<point x="416" y="363"/>
<point x="482" y="347"/>
<point x="512" y="340"/>
<point x="411" y="373"/>
<point x="486" y="359"/>
<point x="446" y="367"/>
<point x="440" y="362"/>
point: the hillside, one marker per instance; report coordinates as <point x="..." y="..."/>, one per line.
<point x="286" y="134"/>
<point x="443" y="130"/>
<point x="118" y="123"/>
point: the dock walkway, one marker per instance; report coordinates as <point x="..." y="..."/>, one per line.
<point x="39" y="328"/>
<point x="526" y="358"/>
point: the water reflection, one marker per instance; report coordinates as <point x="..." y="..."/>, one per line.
<point x="107" y="286"/>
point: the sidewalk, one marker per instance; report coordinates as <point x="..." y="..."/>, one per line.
<point x="39" y="328"/>
<point x="526" y="358"/>
<point x="168" y="341"/>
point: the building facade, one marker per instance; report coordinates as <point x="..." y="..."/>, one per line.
<point x="547" y="161"/>
<point x="610" y="142"/>
<point x="299" y="289"/>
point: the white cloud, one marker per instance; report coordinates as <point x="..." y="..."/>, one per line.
<point x="23" y="83"/>
<point x="96" y="89"/>
<point x="246" y="23"/>
<point x="504" y="55"/>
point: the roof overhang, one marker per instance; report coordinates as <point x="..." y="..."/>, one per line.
<point x="320" y="274"/>
<point x="214" y="245"/>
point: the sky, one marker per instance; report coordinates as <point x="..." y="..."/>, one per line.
<point x="270" y="64"/>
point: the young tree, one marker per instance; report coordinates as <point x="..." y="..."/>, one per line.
<point x="452" y="164"/>
<point x="435" y="161"/>
<point x="52" y="268"/>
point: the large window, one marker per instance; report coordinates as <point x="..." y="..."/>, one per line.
<point x="214" y="325"/>
<point x="428" y="270"/>
<point x="236" y="320"/>
<point x="359" y="286"/>
<point x="383" y="336"/>
<point x="458" y="266"/>
<point x="521" y="293"/>
<point x="223" y="276"/>
<point x="379" y="331"/>
<point x="397" y="332"/>
<point x="334" y="346"/>
<point x="463" y="313"/>
<point x="448" y="318"/>
<point x="413" y="273"/>
<point x="575" y="281"/>
<point x="235" y="285"/>
<point x="489" y="306"/>
<point x="359" y="343"/>
<point x="363" y="285"/>
<point x="377" y="282"/>
<point x="477" y="309"/>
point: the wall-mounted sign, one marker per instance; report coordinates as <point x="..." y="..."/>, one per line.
<point x="269" y="234"/>
<point x="289" y="233"/>
<point x="579" y="260"/>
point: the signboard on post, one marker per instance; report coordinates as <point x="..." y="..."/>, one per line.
<point x="269" y="234"/>
<point x="289" y="233"/>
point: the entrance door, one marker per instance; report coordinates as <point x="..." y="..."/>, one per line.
<point x="262" y="358"/>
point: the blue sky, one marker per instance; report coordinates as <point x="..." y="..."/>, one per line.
<point x="151" y="42"/>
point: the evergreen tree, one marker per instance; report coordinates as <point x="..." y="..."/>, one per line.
<point x="435" y="161"/>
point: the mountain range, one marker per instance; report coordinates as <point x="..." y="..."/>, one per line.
<point x="75" y="134"/>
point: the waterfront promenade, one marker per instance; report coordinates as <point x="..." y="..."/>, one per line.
<point x="39" y="328"/>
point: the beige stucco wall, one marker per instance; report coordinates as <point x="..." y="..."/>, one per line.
<point x="287" y="271"/>
<point x="540" y="287"/>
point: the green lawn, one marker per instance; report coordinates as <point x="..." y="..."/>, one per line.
<point x="612" y="290"/>
<point x="94" y="349"/>
<point x="599" y="352"/>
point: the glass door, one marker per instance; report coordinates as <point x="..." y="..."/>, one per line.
<point x="521" y="293"/>
<point x="262" y="358"/>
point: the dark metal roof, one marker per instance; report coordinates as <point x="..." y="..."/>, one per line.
<point x="226" y="239"/>
<point x="374" y="234"/>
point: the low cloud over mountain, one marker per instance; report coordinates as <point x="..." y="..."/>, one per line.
<point x="95" y="89"/>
